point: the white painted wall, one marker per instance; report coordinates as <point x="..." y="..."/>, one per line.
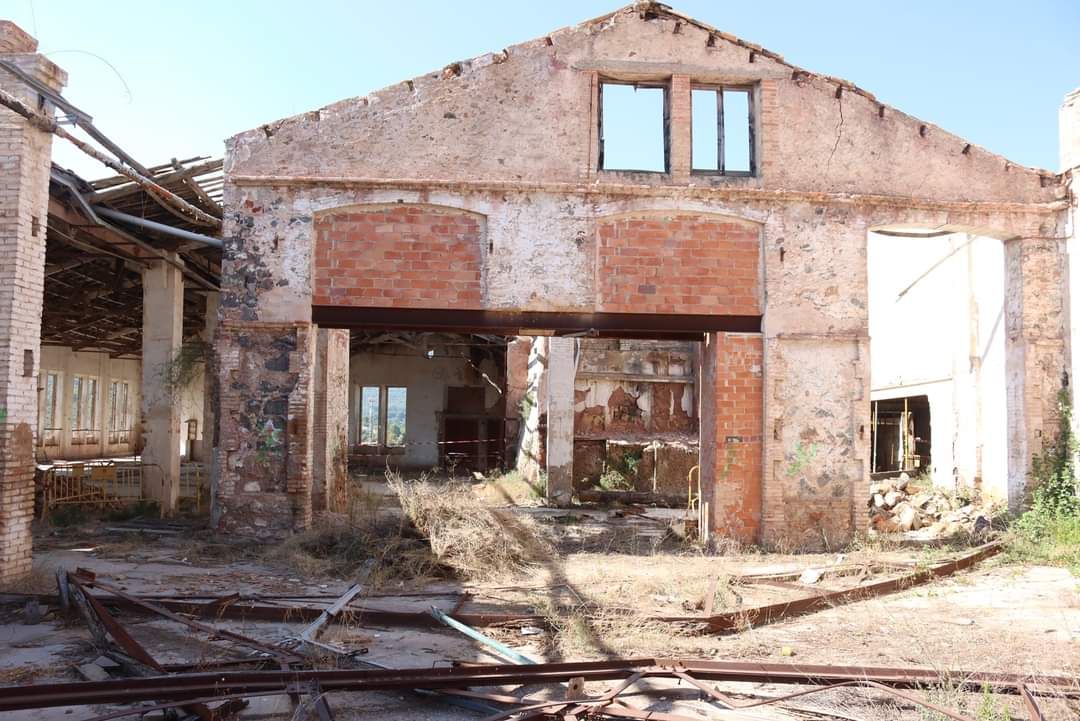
<point x="67" y="364"/>
<point x="936" y="329"/>
<point x="426" y="380"/>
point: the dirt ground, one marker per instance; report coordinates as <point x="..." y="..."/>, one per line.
<point x="608" y="574"/>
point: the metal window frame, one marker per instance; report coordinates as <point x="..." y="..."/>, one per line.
<point x="663" y="85"/>
<point x="719" y="89"/>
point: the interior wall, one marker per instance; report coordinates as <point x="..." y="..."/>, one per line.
<point x="936" y="328"/>
<point x="68" y="363"/>
<point x="426" y="380"/>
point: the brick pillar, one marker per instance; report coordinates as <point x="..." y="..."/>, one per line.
<point x="163" y="333"/>
<point x="330" y="434"/>
<point x="210" y="399"/>
<point x="679" y="117"/>
<point x="1036" y="351"/>
<point x="731" y="428"/>
<point x="25" y="155"/>
<point x="560" y="420"/>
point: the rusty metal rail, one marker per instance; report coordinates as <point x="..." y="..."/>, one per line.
<point x="184" y="687"/>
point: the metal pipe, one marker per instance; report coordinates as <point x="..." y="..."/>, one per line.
<point x="159" y="227"/>
<point x="58" y="177"/>
<point x="499" y="648"/>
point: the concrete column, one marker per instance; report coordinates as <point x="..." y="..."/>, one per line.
<point x="330" y="463"/>
<point x="680" y="121"/>
<point x="533" y="402"/>
<point x="163" y="333"/>
<point x="561" y="371"/>
<point x="24" y="202"/>
<point x="1036" y="352"/>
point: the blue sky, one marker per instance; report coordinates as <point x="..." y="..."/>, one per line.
<point x="991" y="71"/>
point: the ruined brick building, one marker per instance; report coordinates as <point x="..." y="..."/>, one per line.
<point x="488" y="199"/>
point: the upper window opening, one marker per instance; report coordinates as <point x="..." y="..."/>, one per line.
<point x="633" y="127"/>
<point x="722" y="131"/>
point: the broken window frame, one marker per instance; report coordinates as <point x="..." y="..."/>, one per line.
<point x="382" y="442"/>
<point x="662" y="85"/>
<point x="84" y="409"/>
<point x="52" y="409"/>
<point x="751" y="119"/>
<point x="119" y="408"/>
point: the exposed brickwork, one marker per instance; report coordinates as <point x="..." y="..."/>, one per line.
<point x="731" y="427"/>
<point x="401" y="256"/>
<point x="24" y="188"/>
<point x="265" y="448"/>
<point x="678" y="264"/>
<point x="512" y="143"/>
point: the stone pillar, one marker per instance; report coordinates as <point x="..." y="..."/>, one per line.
<point x="162" y="336"/>
<point x="265" y="364"/>
<point x="731" y="383"/>
<point x="330" y="434"/>
<point x="1036" y="352"/>
<point x="25" y="155"/>
<point x="1069" y="124"/>
<point x="816" y="434"/>
<point x="561" y="371"/>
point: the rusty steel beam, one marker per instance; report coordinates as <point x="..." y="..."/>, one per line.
<point x="83" y="579"/>
<point x="604" y="325"/>
<point x="761" y="615"/>
<point x="186" y="687"/>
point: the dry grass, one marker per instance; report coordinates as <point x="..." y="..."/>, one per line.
<point x="477" y="542"/>
<point x="338" y="547"/>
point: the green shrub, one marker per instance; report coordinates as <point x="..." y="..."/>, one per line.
<point x="1049" y="532"/>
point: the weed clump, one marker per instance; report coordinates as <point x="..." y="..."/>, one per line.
<point x="476" y="541"/>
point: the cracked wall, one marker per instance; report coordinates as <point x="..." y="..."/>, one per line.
<point x="511" y="138"/>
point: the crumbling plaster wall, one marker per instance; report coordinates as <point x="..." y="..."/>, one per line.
<point x="479" y="137"/>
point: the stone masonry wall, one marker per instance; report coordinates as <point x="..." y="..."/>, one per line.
<point x="400" y="256"/>
<point x="24" y="198"/>
<point x="265" y="448"/>
<point x="513" y="137"/>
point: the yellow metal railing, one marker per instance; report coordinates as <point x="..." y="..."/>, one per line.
<point x="111" y="484"/>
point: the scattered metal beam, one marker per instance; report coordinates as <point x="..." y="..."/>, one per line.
<point x="49" y="125"/>
<point x="187" y="687"/>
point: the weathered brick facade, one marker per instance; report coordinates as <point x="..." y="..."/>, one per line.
<point x="400" y="256"/>
<point x="24" y="198"/>
<point x="685" y="264"/>
<point x="509" y="145"/>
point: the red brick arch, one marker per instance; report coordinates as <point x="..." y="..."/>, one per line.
<point x="402" y="256"/>
<point x="679" y="262"/>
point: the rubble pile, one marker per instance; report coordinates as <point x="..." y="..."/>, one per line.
<point x="899" y="506"/>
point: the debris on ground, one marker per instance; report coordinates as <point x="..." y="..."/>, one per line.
<point x="475" y="540"/>
<point x="902" y="505"/>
